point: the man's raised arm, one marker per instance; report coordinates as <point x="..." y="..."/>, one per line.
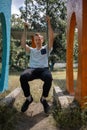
<point x="50" y="33"/>
<point x="23" y="38"/>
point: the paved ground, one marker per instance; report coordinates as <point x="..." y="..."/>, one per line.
<point x="34" y="118"/>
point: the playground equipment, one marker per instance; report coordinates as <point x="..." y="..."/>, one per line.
<point x="77" y="17"/>
<point x="5" y="13"/>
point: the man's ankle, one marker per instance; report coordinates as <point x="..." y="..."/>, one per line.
<point x="29" y="98"/>
<point x="43" y="98"/>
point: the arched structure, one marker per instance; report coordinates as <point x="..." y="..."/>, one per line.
<point x="5" y="13"/>
<point x="77" y="17"/>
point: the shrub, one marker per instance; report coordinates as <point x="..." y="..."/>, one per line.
<point x="7" y="118"/>
<point x="70" y="118"/>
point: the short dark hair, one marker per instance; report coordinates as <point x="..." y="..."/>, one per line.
<point x="36" y="34"/>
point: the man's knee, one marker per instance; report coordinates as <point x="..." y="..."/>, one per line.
<point x="22" y="77"/>
<point x="48" y="78"/>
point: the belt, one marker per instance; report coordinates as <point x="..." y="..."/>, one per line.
<point x="39" y="68"/>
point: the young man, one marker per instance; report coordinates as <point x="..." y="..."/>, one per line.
<point x="38" y="67"/>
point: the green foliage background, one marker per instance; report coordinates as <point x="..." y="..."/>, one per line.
<point x="35" y="14"/>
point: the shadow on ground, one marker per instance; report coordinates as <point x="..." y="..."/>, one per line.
<point x="33" y="119"/>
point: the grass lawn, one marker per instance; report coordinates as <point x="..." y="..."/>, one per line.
<point x="59" y="79"/>
<point x="36" y="85"/>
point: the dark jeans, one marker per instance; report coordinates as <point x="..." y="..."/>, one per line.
<point x="40" y="73"/>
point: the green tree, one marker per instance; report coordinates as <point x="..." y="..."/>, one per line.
<point x="56" y="9"/>
<point x="35" y="14"/>
<point x="37" y="10"/>
<point x="17" y="54"/>
<point x="75" y="49"/>
<point x="16" y="22"/>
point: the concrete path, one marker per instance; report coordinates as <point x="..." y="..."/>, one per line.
<point x="34" y="118"/>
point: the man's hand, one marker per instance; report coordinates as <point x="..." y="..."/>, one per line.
<point x="26" y="25"/>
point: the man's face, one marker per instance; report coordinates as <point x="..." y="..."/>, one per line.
<point x="38" y="40"/>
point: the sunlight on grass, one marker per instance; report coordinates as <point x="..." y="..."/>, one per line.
<point x="59" y="78"/>
<point x="61" y="74"/>
<point x="13" y="81"/>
